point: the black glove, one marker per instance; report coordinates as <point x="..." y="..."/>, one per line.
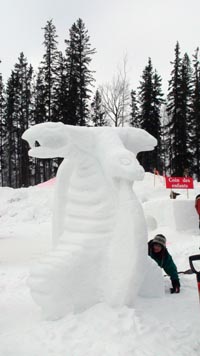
<point x="175" y="286"/>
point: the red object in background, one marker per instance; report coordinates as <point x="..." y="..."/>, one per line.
<point x="194" y="270"/>
<point x="197" y="204"/>
<point x="47" y="183"/>
<point x="179" y="182"/>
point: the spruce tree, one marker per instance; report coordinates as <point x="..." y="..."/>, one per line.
<point x="48" y="68"/>
<point x="195" y="115"/>
<point x="134" y="114"/>
<point x="37" y="171"/>
<point x="186" y="91"/>
<point x="39" y="98"/>
<point x="60" y="91"/>
<point x="165" y="138"/>
<point x="47" y="85"/>
<point x="42" y="170"/>
<point x="97" y="112"/>
<point x="79" y="76"/>
<point x="158" y="102"/>
<point x="18" y="113"/>
<point x="178" y="112"/>
<point x="174" y="114"/>
<point x="2" y="130"/>
<point x="23" y="110"/>
<point x="10" y="124"/>
<point x="150" y="96"/>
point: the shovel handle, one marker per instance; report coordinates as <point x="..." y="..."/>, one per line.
<point x="191" y="259"/>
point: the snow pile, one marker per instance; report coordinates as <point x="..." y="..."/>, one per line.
<point x="168" y="325"/>
<point x="23" y="206"/>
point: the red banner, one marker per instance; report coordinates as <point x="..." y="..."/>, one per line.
<point x="179" y="182"/>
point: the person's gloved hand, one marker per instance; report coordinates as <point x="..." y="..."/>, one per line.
<point x="175" y="286"/>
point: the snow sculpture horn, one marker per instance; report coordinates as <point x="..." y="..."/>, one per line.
<point x="99" y="230"/>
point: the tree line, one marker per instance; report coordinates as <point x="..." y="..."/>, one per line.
<point x="62" y="89"/>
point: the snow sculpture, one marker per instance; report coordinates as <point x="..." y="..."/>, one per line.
<point x="99" y="233"/>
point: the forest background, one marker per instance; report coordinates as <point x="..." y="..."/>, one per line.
<point x="63" y="89"/>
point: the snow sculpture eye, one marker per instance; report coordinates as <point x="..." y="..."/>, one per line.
<point x="37" y="144"/>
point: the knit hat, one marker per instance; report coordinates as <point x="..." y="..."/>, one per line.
<point x="159" y="239"/>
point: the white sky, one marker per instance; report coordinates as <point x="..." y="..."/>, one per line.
<point x="136" y="28"/>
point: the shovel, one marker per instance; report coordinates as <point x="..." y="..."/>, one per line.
<point x="195" y="270"/>
<point x="187" y="271"/>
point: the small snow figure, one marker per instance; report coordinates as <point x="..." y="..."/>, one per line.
<point x="157" y="250"/>
<point x="197" y="206"/>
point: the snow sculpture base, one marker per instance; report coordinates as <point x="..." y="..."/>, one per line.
<point x="99" y="230"/>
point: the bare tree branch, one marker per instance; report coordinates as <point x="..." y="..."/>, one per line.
<point x="116" y="97"/>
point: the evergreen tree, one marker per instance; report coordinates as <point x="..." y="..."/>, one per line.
<point x="158" y="101"/>
<point x="42" y="170"/>
<point x="195" y="115"/>
<point x="178" y="112"/>
<point x="23" y="109"/>
<point x="2" y="130"/>
<point x="134" y="114"/>
<point x="39" y="98"/>
<point x="150" y="95"/>
<point x="186" y="90"/>
<point x="10" y="123"/>
<point x="47" y="84"/>
<point x="37" y="166"/>
<point x="165" y="138"/>
<point x="97" y="112"/>
<point x="48" y="68"/>
<point x="79" y="76"/>
<point x="18" y="113"/>
<point x="60" y="91"/>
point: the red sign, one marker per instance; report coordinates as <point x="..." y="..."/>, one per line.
<point x="179" y="182"/>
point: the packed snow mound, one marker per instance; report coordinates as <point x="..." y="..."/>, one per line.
<point x="26" y="204"/>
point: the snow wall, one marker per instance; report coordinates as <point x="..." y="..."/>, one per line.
<point x="176" y="214"/>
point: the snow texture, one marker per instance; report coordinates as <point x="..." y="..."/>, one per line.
<point x="167" y="325"/>
<point x="99" y="229"/>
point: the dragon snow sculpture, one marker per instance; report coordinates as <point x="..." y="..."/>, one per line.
<point x="99" y="230"/>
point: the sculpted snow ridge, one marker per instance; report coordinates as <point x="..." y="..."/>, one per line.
<point x="99" y="230"/>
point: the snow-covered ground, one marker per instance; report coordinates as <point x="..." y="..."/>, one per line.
<point x="167" y="326"/>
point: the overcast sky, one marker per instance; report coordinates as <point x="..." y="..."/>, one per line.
<point x="136" y="28"/>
